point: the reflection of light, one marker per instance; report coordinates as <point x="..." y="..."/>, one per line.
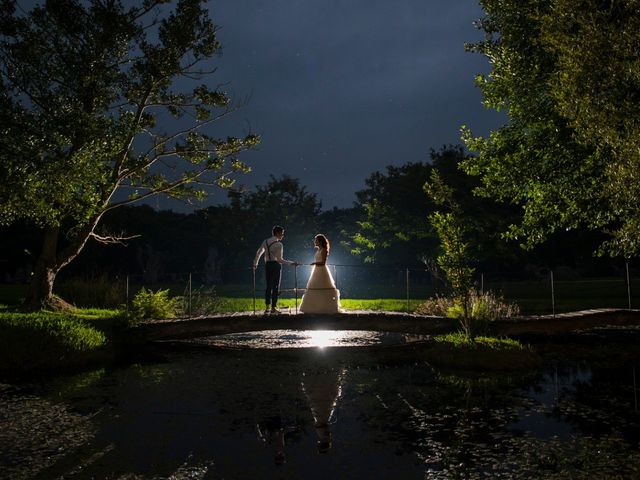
<point x="323" y="338"/>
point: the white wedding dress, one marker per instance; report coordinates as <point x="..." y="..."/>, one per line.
<point x="321" y="295"/>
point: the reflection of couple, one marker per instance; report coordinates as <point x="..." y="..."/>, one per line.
<point x="321" y="295"/>
<point x="323" y="391"/>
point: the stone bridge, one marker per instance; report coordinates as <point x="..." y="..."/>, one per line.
<point x="183" y="328"/>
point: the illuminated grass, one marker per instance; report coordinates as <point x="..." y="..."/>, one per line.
<point x="45" y="340"/>
<point x="229" y="304"/>
<point x="456" y="351"/>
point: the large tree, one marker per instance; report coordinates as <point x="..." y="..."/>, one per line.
<point x="567" y="73"/>
<point x="395" y="228"/>
<point x="88" y="90"/>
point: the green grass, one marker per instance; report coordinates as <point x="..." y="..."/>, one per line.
<point x="533" y="296"/>
<point x="229" y="304"/>
<point x="459" y="340"/>
<point x="456" y="351"/>
<point x="47" y="340"/>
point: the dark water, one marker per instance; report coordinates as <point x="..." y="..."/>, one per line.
<point x="378" y="412"/>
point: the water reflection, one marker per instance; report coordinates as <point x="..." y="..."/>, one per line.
<point x="323" y="391"/>
<point x="312" y="413"/>
<point x="276" y="339"/>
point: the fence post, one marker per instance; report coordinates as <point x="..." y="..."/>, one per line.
<point x="295" y="284"/>
<point x="189" y="295"/>
<point x="635" y="390"/>
<point x="408" y="308"/>
<point x="628" y="284"/>
<point x="127" y="296"/>
<point x="553" y="296"/>
<point x="254" y="290"/>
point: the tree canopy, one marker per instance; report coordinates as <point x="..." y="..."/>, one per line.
<point x="86" y="91"/>
<point x="568" y="76"/>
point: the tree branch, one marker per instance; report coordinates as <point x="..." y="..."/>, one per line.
<point x="113" y="239"/>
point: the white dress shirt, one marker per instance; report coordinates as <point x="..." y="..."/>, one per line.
<point x="272" y="249"/>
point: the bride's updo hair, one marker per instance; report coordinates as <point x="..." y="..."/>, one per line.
<point x="324" y="243"/>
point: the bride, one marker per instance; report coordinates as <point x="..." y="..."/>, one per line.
<point x="321" y="295"/>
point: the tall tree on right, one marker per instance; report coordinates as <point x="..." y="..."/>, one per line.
<point x="568" y="75"/>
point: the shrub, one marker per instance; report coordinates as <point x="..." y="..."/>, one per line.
<point x="150" y="304"/>
<point x="456" y="311"/>
<point x="438" y="306"/>
<point x="485" y="307"/>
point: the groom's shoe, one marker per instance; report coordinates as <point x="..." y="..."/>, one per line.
<point x="266" y="311"/>
<point x="274" y="310"/>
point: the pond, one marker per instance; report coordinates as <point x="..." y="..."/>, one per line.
<point x="375" y="412"/>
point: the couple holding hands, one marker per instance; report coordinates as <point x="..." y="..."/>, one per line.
<point x="321" y="294"/>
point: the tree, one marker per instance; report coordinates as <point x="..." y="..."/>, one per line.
<point x="85" y="87"/>
<point x="396" y="227"/>
<point x="568" y="75"/>
<point x="455" y="259"/>
<point x="282" y="201"/>
<point x="596" y="87"/>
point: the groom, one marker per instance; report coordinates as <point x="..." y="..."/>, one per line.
<point x="272" y="249"/>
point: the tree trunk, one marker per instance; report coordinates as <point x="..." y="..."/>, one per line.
<point x="46" y="269"/>
<point x="50" y="262"/>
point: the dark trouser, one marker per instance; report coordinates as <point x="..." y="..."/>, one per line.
<point x="272" y="270"/>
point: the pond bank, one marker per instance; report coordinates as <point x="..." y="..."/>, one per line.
<point x="376" y="321"/>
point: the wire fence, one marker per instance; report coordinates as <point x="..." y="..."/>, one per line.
<point x="551" y="292"/>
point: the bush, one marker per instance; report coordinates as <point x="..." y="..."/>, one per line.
<point x="44" y="340"/>
<point x="150" y="304"/>
<point x="485" y="307"/>
<point x="437" y="306"/>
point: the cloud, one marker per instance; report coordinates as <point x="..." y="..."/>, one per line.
<point x="343" y="88"/>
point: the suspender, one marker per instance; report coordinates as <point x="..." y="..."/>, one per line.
<point x="268" y="248"/>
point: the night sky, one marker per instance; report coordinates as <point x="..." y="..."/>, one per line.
<point x="340" y="89"/>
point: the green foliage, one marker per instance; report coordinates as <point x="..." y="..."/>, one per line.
<point x="455" y="257"/>
<point x="395" y="227"/>
<point x="456" y="311"/>
<point x="393" y="214"/>
<point x="566" y="73"/>
<point x="148" y="304"/>
<point x="46" y="340"/>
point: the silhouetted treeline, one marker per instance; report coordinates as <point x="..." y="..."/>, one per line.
<point x="387" y="225"/>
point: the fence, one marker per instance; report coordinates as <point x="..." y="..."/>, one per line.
<point x="551" y="292"/>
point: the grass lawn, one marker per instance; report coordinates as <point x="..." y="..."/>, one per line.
<point x="45" y="340"/>
<point x="228" y="304"/>
<point x="533" y="296"/>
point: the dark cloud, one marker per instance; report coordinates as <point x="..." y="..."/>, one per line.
<point x="340" y="89"/>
